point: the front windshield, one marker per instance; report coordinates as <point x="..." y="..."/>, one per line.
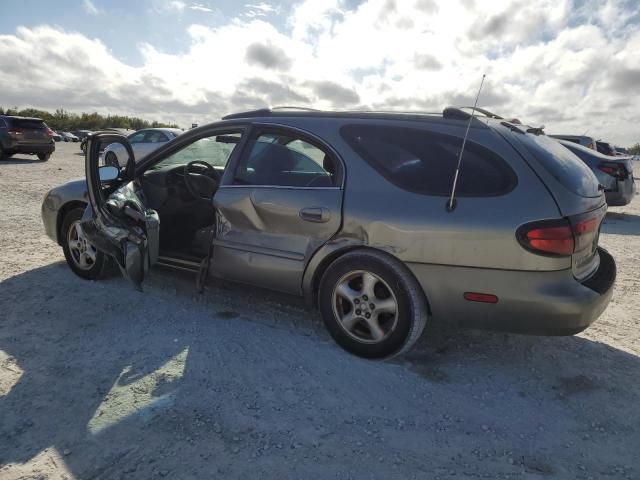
<point x="214" y="150"/>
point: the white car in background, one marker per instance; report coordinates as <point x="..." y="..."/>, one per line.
<point x="143" y="142"/>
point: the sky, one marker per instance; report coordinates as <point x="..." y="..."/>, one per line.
<point x="571" y="65"/>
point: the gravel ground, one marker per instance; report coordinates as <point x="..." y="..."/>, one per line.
<point x="100" y="381"/>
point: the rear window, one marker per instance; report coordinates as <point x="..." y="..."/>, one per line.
<point x="563" y="165"/>
<point x="30" y="124"/>
<point x="425" y="162"/>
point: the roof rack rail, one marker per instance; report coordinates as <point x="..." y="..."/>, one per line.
<point x="294" y="107"/>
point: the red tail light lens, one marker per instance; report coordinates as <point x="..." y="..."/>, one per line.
<point x="564" y="236"/>
<point x="550" y="237"/>
<point x="49" y="132"/>
<point x="614" y="170"/>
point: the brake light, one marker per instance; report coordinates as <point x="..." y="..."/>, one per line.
<point x="561" y="237"/>
<point x="613" y="169"/>
<point x="49" y="132"/>
<point x="553" y="237"/>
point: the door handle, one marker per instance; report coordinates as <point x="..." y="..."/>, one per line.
<point x="315" y="214"/>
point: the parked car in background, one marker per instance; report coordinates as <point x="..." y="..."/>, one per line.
<point x="583" y="140"/>
<point x="142" y="142"/>
<point x="349" y="210"/>
<point x="621" y="151"/>
<point x="69" y="137"/>
<point x="25" y="135"/>
<point x="615" y="174"/>
<point x="81" y="134"/>
<point x="56" y="137"/>
<point x="121" y="131"/>
<point x="605" y="148"/>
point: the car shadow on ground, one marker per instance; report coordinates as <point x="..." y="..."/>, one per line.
<point x="20" y="159"/>
<point x="238" y="382"/>
<point x="621" y="223"/>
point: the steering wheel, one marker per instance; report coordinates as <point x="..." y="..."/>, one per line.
<point x="200" y="185"/>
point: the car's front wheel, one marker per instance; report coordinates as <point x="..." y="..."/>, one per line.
<point x="44" y="156"/>
<point x="372" y="305"/>
<point x="82" y="257"/>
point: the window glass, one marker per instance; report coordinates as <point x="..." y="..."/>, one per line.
<point x="154" y="136"/>
<point x="215" y="151"/>
<point x="425" y="162"/>
<point x="137" y="137"/>
<point x="563" y="165"/>
<point x="284" y="160"/>
<point x="26" y="123"/>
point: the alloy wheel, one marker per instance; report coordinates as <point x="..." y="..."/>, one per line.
<point x="365" y="306"/>
<point x="83" y="253"/>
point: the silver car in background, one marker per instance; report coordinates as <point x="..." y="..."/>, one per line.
<point x="615" y="174"/>
<point x="143" y="142"/>
<point x="350" y="211"/>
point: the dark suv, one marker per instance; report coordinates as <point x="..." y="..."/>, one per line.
<point x="25" y="135"/>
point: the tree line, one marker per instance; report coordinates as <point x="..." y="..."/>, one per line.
<point x="64" y="120"/>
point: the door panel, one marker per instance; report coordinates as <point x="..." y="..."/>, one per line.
<point x="263" y="237"/>
<point x="117" y="222"/>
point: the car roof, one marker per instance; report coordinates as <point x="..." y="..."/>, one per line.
<point x="15" y="117"/>
<point x="448" y="115"/>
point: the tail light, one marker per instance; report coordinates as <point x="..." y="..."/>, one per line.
<point x="50" y="132"/>
<point x="562" y="237"/>
<point x="550" y="237"/>
<point x="614" y="169"/>
<point x="15" y="131"/>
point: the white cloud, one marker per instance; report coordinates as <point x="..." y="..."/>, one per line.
<point x="573" y="68"/>
<point x="90" y="7"/>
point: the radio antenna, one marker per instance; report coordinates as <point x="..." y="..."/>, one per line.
<point x="452" y="199"/>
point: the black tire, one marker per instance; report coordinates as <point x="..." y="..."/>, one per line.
<point x="44" y="156"/>
<point x="393" y="277"/>
<point x="98" y="269"/>
<point x="111" y="160"/>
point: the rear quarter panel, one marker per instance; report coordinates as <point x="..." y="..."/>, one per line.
<point x="417" y="228"/>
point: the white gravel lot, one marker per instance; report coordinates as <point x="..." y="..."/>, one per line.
<point x="99" y="381"/>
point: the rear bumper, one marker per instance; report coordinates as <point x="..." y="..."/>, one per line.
<point x="32" y="148"/>
<point x="626" y="190"/>
<point x="537" y="303"/>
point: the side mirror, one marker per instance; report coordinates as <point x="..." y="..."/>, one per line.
<point x="108" y="173"/>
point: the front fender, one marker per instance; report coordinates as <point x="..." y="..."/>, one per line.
<point x="57" y="201"/>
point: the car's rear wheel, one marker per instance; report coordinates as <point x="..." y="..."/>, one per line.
<point x="82" y="257"/>
<point x="111" y="159"/>
<point x="44" y="156"/>
<point x="372" y="305"/>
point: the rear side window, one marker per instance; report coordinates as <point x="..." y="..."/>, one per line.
<point x="425" y="162"/>
<point x="563" y="165"/>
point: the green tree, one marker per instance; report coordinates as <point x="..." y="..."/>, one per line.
<point x="62" y="119"/>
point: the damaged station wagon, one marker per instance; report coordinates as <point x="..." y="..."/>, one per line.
<point x="350" y="210"/>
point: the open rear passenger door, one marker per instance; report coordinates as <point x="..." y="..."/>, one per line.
<point x="117" y="222"/>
